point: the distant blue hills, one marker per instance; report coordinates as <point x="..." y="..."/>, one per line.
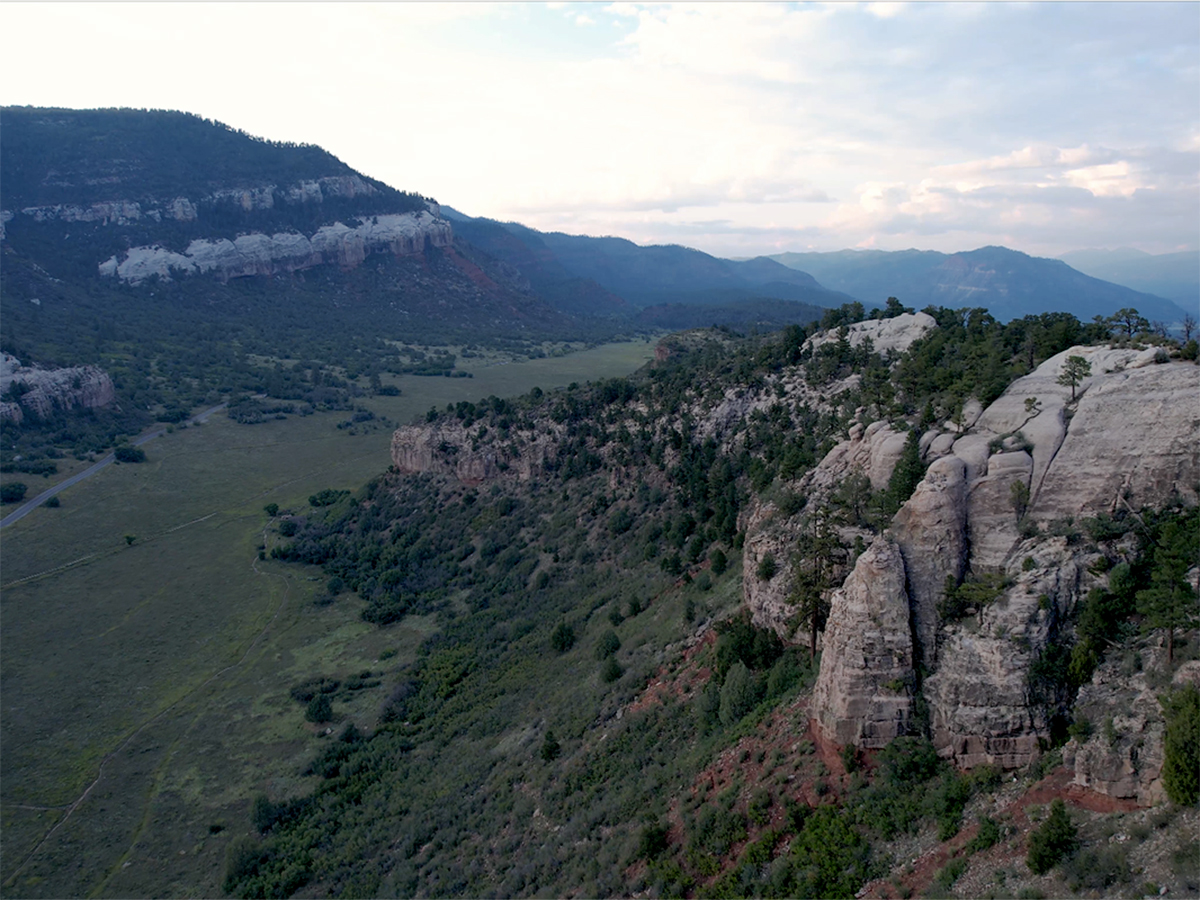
<point x="611" y="274"/>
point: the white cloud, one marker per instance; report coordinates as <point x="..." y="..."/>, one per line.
<point x="834" y="124"/>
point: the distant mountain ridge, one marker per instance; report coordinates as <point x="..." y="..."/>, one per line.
<point x="643" y="276"/>
<point x="1009" y="283"/>
<point x="1175" y="276"/>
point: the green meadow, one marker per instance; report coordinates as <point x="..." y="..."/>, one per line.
<point x="147" y="653"/>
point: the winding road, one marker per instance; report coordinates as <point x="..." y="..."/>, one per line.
<point x="29" y="505"/>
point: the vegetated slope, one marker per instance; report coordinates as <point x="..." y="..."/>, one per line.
<point x="1175" y="276"/>
<point x="593" y="719"/>
<point x="1007" y="282"/>
<point x="643" y="276"/>
<point x="186" y="258"/>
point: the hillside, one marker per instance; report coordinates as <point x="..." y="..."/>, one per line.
<point x="1175" y="276"/>
<point x="641" y="584"/>
<point x="643" y="276"/>
<point x="1007" y="282"/>
<point x="187" y="261"/>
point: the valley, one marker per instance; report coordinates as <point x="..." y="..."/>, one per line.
<point x="443" y="556"/>
<point x="166" y="659"/>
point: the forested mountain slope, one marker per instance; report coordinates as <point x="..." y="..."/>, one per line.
<point x="763" y="615"/>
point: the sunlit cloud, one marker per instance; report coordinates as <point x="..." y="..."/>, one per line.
<point x="733" y="127"/>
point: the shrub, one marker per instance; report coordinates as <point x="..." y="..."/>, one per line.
<point x="738" y="694"/>
<point x="53" y="502"/>
<point x="652" y="842"/>
<point x="562" y="638"/>
<point x="1181" y="765"/>
<point x="611" y="670"/>
<point x="608" y="644"/>
<point x="13" y="492"/>
<point x="129" y="454"/>
<point x="1052" y="841"/>
<point x="718" y="561"/>
<point x="319" y="709"/>
<point x="767" y="567"/>
<point x="271" y="509"/>
<point x="551" y="749"/>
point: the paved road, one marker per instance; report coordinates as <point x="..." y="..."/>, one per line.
<point x="29" y="505"/>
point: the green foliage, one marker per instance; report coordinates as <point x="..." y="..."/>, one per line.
<point x="739" y="694"/>
<point x="989" y="834"/>
<point x="271" y="509"/>
<point x="319" y="709"/>
<point x="611" y="670"/>
<point x="905" y="476"/>
<point x="607" y="645"/>
<point x="767" y="567"/>
<point x="1181" y="765"/>
<point x="551" y="749"/>
<point x="13" y="492"/>
<point x="129" y="454"/>
<point x="1052" y="841"/>
<point x="652" y="841"/>
<point x="718" y="561"/>
<point x="562" y="638"/>
<point x="1169" y="602"/>
<point x="970" y="597"/>
<point x="829" y="857"/>
<point x="327" y="497"/>
<point x="1074" y="370"/>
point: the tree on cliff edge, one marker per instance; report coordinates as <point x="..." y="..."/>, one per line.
<point x="1074" y="370"/>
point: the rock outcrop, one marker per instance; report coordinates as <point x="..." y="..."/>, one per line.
<point x="1131" y="437"/>
<point x="259" y="254"/>
<point x="931" y="532"/>
<point x="35" y="393"/>
<point x="863" y="693"/>
<point x="452" y="449"/>
<point x="896" y="334"/>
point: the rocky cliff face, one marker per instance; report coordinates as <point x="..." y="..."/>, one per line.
<point x="35" y="393"/>
<point x="259" y="254"/>
<point x="863" y="696"/>
<point x="1131" y="438"/>
<point x="451" y="449"/>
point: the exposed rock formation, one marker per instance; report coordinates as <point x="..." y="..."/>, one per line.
<point x="1123" y="756"/>
<point x="1132" y="437"/>
<point x="887" y="335"/>
<point x="450" y="449"/>
<point x="862" y="695"/>
<point x="260" y="254"/>
<point x="930" y="530"/>
<point x="767" y="532"/>
<point x="36" y="393"/>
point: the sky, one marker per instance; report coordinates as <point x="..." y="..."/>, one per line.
<point x="738" y="129"/>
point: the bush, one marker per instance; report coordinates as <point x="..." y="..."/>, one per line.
<point x="562" y="638"/>
<point x="652" y="842"/>
<point x="13" y="492"/>
<point x="1181" y="766"/>
<point x="129" y="454"/>
<point x="611" y="670"/>
<point x="53" y="503"/>
<point x="319" y="709"/>
<point x="767" y="567"/>
<point x="608" y="644"/>
<point x="551" y="749"/>
<point x="718" y="561"/>
<point x="1052" y="841"/>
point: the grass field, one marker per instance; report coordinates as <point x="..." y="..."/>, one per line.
<point x="145" y="684"/>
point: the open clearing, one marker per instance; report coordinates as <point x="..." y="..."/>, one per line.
<point x="154" y="675"/>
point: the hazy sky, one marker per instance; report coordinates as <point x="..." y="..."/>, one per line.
<point x="738" y="129"/>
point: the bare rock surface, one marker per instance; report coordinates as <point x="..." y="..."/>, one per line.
<point x="862" y="695"/>
<point x="930" y="530"/>
<point x="768" y="532"/>
<point x="451" y="449"/>
<point x="886" y="335"/>
<point x="1123" y="756"/>
<point x="402" y="234"/>
<point x="39" y="393"/>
